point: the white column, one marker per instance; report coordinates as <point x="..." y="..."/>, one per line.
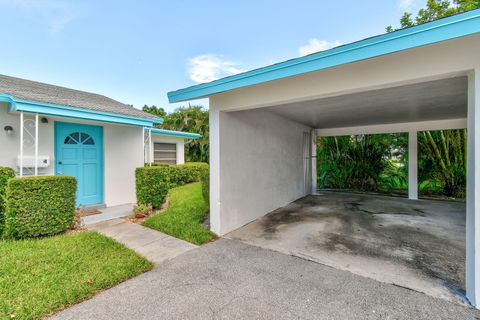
<point x="150" y="147"/>
<point x="472" y="268"/>
<point x="412" y="165"/>
<point x="21" y="144"/>
<point x="36" y="144"/>
<point x="314" y="160"/>
<point x="214" y="123"/>
<point x="143" y="145"/>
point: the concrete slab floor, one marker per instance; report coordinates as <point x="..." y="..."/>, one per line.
<point x="417" y="244"/>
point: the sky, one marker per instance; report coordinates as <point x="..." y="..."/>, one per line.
<point x="137" y="51"/>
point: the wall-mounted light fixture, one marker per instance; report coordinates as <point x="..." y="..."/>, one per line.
<point x="8" y="130"/>
<point x="44" y="120"/>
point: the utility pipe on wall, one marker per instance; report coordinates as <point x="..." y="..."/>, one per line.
<point x="412" y="165"/>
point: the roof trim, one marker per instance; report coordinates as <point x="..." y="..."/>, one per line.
<point x="163" y="132"/>
<point x="77" y="113"/>
<point x="436" y="31"/>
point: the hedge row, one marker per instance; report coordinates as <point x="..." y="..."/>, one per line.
<point x="205" y="180"/>
<point x="39" y="206"/>
<point x="153" y="182"/>
<point x="5" y="175"/>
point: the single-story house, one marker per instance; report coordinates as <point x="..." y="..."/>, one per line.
<point x="51" y="130"/>
<point x="263" y="122"/>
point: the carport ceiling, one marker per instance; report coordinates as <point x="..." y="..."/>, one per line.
<point x="433" y="100"/>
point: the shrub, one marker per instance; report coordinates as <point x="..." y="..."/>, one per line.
<point x="39" y="206"/>
<point x="5" y="175"/>
<point x="153" y="183"/>
<point x="192" y="171"/>
<point x="205" y="180"/>
<point x="142" y="210"/>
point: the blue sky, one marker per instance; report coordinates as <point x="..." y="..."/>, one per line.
<point x="137" y="51"/>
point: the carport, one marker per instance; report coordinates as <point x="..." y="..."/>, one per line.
<point x="263" y="123"/>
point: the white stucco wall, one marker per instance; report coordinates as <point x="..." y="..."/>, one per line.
<point x="123" y="152"/>
<point x="261" y="166"/>
<point x="231" y="206"/>
<point x="10" y="145"/>
<point x="180" y="142"/>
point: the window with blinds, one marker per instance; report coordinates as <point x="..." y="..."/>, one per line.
<point x="165" y="153"/>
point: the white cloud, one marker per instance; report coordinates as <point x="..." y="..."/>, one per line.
<point x="56" y="14"/>
<point x="315" y="45"/>
<point x="409" y="4"/>
<point x="209" y="67"/>
<point x="404" y="4"/>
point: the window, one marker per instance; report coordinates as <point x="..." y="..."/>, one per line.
<point x="79" y="138"/>
<point x="165" y="153"/>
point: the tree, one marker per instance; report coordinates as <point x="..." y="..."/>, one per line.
<point x="187" y="119"/>
<point x="436" y="9"/>
<point x="157" y="111"/>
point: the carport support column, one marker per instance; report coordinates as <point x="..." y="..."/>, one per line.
<point x="472" y="268"/>
<point x="214" y="127"/>
<point x="314" y="160"/>
<point x="412" y="165"/>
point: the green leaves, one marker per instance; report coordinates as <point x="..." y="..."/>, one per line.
<point x="39" y="206"/>
<point x="153" y="183"/>
<point x="5" y="175"/>
<point x="187" y="119"/>
<point x="435" y="9"/>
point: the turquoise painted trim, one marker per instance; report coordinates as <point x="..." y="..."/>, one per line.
<point x="188" y="135"/>
<point x="77" y="113"/>
<point x="440" y="30"/>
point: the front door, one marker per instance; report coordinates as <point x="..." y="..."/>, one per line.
<point x="79" y="153"/>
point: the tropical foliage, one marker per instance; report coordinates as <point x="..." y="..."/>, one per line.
<point x="380" y="162"/>
<point x="436" y="9"/>
<point x="188" y="119"/>
<point x="443" y="160"/>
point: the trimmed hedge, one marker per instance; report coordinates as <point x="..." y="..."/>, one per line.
<point x="5" y="175"/>
<point x="153" y="183"/>
<point x="205" y="180"/>
<point x="39" y="206"/>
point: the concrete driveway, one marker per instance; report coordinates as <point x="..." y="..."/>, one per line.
<point x="231" y="280"/>
<point x="415" y="244"/>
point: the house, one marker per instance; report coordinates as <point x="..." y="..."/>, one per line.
<point x="51" y="130"/>
<point x="263" y="122"/>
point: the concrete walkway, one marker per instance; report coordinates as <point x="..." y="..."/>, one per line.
<point x="230" y="280"/>
<point x="153" y="245"/>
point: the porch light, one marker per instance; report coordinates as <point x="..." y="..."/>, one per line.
<point x="8" y="130"/>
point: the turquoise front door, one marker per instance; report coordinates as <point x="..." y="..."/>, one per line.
<point x="79" y="153"/>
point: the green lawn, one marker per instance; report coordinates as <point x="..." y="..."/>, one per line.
<point x="38" y="277"/>
<point x="184" y="215"/>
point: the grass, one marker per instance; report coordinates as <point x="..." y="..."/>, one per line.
<point x="184" y="215"/>
<point x="39" y="277"/>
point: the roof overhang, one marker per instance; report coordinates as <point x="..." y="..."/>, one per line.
<point x="171" y="133"/>
<point x="77" y="113"/>
<point x="437" y="31"/>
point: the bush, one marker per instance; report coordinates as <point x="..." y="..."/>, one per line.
<point x="205" y="180"/>
<point x="192" y="171"/>
<point x="5" y="175"/>
<point x="153" y="183"/>
<point x="39" y="206"/>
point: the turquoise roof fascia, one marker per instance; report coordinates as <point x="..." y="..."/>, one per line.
<point x="459" y="25"/>
<point x="188" y="135"/>
<point x="77" y="113"/>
